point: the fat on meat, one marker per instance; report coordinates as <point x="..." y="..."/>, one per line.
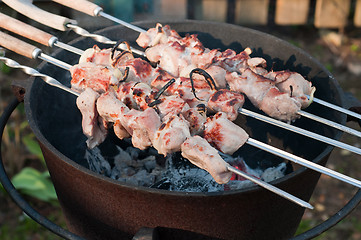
<point x="199" y="152"/>
<point x="159" y="34"/>
<point x="223" y="134"/>
<point x="98" y="56"/>
<point x="93" y="127"/>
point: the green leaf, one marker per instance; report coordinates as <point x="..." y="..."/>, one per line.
<point x="354" y="47"/>
<point x="5" y="69"/>
<point x="34" y="183"/>
<point x="33" y="146"/>
<point x="30" y="179"/>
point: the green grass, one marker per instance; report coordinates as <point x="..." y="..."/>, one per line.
<point x="25" y="229"/>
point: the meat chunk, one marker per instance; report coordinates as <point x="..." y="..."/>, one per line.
<point x="171" y="104"/>
<point x="142" y="126"/>
<point x="223" y="134"/>
<point x="156" y="35"/>
<point x="296" y="86"/>
<point x="252" y="85"/>
<point x="226" y="101"/>
<point x="95" y="132"/>
<point x="98" y="56"/>
<point x="171" y="134"/>
<point x="111" y="110"/>
<point x="196" y="120"/>
<point x="139" y="70"/>
<point x="199" y="152"/>
<point x="135" y="94"/>
<point x="94" y="76"/>
<point x="280" y="105"/>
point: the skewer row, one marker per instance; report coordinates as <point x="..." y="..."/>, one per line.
<point x="250" y="141"/>
<point x="14" y="25"/>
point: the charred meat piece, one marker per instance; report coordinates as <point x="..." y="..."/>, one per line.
<point x="226" y="101"/>
<point x="223" y="134"/>
<point x="196" y="119"/>
<point x="199" y="152"/>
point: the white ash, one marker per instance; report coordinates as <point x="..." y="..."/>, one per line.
<point x="177" y="174"/>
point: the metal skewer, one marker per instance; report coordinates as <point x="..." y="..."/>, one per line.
<point x="37" y="35"/>
<point x="32" y="72"/>
<point x="60" y="23"/>
<point x="36" y="52"/>
<point x="94" y="10"/>
<point x="330" y="123"/>
<point x="335" y="107"/>
<point x="270" y="188"/>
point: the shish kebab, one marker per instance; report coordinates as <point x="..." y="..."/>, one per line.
<point x="95" y="11"/>
<point x="194" y="140"/>
<point x="60" y="23"/>
<point x="209" y="152"/>
<point x="26" y="29"/>
<point x="241" y="110"/>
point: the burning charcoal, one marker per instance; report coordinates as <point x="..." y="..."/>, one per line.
<point x="133" y="152"/>
<point x="237" y="184"/>
<point x="129" y="171"/>
<point x="162" y="184"/>
<point x="274" y="173"/>
<point x="150" y="164"/>
<point x="96" y="162"/>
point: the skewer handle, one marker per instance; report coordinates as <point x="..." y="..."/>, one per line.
<point x="25" y="30"/>
<point x="26" y="8"/>
<point x="18" y="46"/>
<point x="82" y="6"/>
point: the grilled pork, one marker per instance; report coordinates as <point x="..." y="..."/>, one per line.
<point x="223" y="134"/>
<point x="199" y="152"/>
<point x="91" y="124"/>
